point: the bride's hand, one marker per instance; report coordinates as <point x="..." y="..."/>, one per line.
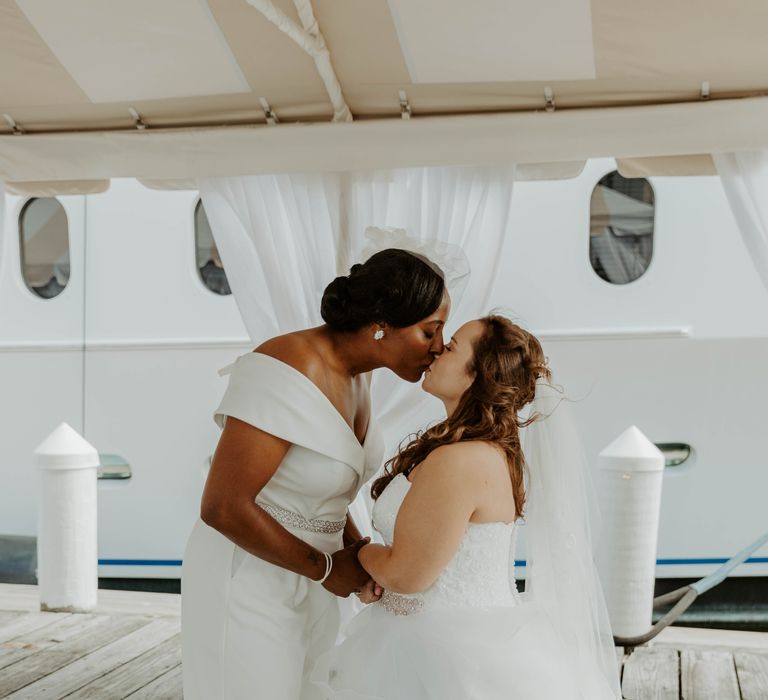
<point x="370" y="593"/>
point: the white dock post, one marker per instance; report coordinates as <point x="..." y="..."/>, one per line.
<point x="67" y="556"/>
<point x="631" y="471"/>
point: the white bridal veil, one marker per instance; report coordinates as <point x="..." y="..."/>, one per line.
<point x="559" y="518"/>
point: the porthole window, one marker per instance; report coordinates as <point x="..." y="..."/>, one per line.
<point x="209" y="264"/>
<point x="44" y="246"/>
<point x="621" y="228"/>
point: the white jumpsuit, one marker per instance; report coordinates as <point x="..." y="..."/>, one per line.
<point x="251" y="629"/>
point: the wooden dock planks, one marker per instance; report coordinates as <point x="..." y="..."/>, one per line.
<point x="45" y="637"/>
<point x="52" y="658"/>
<point x="167" y="687"/>
<point x="752" y="672"/>
<point x="121" y="650"/>
<point x="708" y="674"/>
<point x="130" y="650"/>
<point x="135" y="675"/>
<point x="651" y="673"/>
<point x="27" y="622"/>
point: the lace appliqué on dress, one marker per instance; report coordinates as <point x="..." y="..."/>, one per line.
<point x="478" y="576"/>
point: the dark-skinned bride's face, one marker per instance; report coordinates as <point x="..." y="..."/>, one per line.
<point x="449" y="376"/>
<point x="409" y="351"/>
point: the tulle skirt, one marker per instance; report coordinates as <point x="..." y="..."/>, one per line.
<point x="510" y="653"/>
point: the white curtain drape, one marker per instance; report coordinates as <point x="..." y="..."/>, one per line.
<point x="278" y="237"/>
<point x="2" y="217"/>
<point x="4" y="262"/>
<point x="745" y="180"/>
<point x="283" y="238"/>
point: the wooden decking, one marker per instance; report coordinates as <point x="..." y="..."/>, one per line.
<point x="697" y="664"/>
<point x="129" y="648"/>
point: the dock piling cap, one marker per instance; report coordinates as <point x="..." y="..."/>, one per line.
<point x="65" y="448"/>
<point x="632" y="451"/>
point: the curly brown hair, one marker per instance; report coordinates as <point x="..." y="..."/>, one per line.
<point x="507" y="362"/>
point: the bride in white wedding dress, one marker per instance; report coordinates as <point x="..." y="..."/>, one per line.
<point x="450" y="623"/>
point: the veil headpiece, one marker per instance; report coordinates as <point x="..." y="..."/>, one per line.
<point x="448" y="259"/>
<point x="560" y="515"/>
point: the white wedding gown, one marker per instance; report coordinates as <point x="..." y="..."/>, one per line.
<point x="470" y="636"/>
<point x="251" y="629"/>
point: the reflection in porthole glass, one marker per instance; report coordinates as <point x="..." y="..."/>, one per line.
<point x="621" y="228"/>
<point x="44" y="246"/>
<point x="209" y="264"/>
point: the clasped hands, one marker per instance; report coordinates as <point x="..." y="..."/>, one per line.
<point x="348" y="576"/>
<point x="370" y="592"/>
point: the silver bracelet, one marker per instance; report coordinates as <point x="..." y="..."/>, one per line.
<point x="328" y="567"/>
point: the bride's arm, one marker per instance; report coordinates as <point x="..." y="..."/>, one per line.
<point x="245" y="460"/>
<point x="431" y="521"/>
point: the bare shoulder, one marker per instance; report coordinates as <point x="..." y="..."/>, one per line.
<point x="298" y="351"/>
<point x="467" y="462"/>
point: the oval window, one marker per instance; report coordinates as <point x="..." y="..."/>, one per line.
<point x="44" y="246"/>
<point x="209" y="265"/>
<point x="621" y="228"/>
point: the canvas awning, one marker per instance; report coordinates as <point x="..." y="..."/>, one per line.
<point x="148" y="89"/>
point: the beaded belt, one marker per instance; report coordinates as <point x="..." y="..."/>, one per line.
<point x="399" y="604"/>
<point x="288" y="517"/>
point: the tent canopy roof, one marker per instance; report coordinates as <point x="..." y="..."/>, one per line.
<point x="78" y="66"/>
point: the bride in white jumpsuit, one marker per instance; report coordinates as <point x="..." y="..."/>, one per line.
<point x="255" y="613"/>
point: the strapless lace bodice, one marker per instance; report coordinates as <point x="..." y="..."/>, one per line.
<point x="479" y="575"/>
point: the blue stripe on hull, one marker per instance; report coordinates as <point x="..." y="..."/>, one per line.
<point x="139" y="562"/>
<point x="518" y="562"/>
<point x="674" y="562"/>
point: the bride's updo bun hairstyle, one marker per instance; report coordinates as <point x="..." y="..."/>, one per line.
<point x="507" y="362"/>
<point x="393" y="286"/>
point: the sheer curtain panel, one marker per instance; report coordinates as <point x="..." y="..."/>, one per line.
<point x="283" y="238"/>
<point x="745" y="179"/>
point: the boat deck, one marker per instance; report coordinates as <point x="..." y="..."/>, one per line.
<point x="129" y="648"/>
